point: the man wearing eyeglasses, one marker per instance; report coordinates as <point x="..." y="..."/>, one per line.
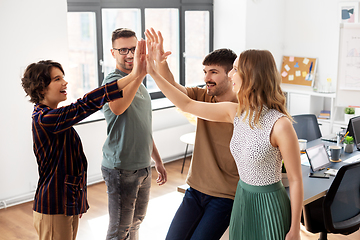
<point x="129" y="146"/>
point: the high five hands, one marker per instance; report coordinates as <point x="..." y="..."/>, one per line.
<point x="145" y="63"/>
<point x="154" y="41"/>
<point x="139" y="68"/>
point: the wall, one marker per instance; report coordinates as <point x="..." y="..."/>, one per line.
<point x="312" y="30"/>
<point x="285" y="27"/>
<point x="230" y="25"/>
<point x="36" y="29"/>
<point x="245" y="24"/>
<point x="265" y="26"/>
<point x="30" y="30"/>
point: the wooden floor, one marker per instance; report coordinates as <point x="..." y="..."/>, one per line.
<point x="16" y="222"/>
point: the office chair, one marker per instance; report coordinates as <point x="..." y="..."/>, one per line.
<point x="306" y="127"/>
<point x="339" y="211"/>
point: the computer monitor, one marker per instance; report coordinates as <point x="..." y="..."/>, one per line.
<point x="354" y="130"/>
<point x="349" y="127"/>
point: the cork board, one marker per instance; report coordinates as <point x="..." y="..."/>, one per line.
<point x="298" y="70"/>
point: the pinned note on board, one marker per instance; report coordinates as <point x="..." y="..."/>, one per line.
<point x="306" y="61"/>
<point x="298" y="70"/>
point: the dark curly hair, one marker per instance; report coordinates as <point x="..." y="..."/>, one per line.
<point x="37" y="78"/>
<point x="222" y="57"/>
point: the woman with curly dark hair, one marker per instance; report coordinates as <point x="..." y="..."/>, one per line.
<point x="60" y="197"/>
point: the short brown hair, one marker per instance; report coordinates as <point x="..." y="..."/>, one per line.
<point x="37" y="78"/>
<point x="122" y="33"/>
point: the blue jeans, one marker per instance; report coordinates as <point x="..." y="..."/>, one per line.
<point x="128" y="197"/>
<point x="200" y="216"/>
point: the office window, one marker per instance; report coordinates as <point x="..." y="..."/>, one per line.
<point x="111" y="20"/>
<point x="186" y="26"/>
<point x="196" y="45"/>
<point x="82" y="75"/>
<point x="166" y="21"/>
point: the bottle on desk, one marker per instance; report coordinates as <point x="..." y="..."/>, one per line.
<point x="338" y="138"/>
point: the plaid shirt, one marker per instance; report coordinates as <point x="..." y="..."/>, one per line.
<point x="61" y="160"/>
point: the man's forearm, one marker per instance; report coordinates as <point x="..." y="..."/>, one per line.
<point x="164" y="71"/>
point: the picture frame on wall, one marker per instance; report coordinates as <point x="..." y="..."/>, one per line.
<point x="349" y="12"/>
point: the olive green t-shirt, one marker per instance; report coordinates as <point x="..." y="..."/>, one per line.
<point x="129" y="140"/>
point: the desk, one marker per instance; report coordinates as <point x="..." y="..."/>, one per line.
<point x="315" y="188"/>
<point x="182" y="188"/>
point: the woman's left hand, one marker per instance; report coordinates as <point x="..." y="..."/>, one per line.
<point x="293" y="235"/>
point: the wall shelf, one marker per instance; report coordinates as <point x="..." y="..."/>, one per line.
<point x="304" y="100"/>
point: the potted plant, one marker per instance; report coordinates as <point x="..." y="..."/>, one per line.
<point x="284" y="178"/>
<point x="349" y="144"/>
<point x="349" y="113"/>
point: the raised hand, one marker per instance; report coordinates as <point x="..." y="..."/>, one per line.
<point x="139" y="68"/>
<point x="150" y="62"/>
<point x="157" y="40"/>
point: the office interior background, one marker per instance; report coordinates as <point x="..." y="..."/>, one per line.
<point x="32" y="30"/>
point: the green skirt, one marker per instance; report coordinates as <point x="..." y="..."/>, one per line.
<point x="260" y="212"/>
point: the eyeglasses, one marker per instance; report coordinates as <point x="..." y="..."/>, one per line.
<point x="125" y="51"/>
